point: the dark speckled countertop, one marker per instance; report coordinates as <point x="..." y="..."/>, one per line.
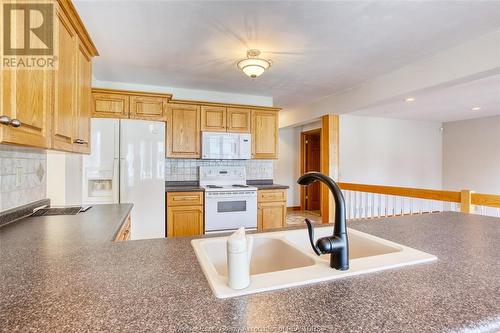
<point x="65" y="274"/>
<point x="193" y="186"/>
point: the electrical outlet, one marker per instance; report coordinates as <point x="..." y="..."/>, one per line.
<point x="174" y="168"/>
<point x="19" y="176"/>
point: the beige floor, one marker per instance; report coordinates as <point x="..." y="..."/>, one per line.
<point x="297" y="217"/>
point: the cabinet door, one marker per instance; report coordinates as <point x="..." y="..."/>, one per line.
<point x="65" y="85"/>
<point x="238" y="120"/>
<point x="27" y="97"/>
<point x="264" y="134"/>
<point x="148" y="108"/>
<point x="110" y="105"/>
<point x="213" y="118"/>
<point x="184" y="221"/>
<point x="183" y="131"/>
<point x="271" y="215"/>
<point x="83" y="98"/>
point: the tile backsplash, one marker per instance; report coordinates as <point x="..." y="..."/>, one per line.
<point x="187" y="169"/>
<point x="22" y="176"/>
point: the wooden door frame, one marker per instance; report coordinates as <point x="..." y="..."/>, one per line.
<point x="329" y="162"/>
<point x="303" y="136"/>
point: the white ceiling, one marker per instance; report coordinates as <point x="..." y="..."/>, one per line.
<point x="318" y="48"/>
<point x="447" y="104"/>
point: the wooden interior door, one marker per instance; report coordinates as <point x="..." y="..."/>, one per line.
<point x="312" y="163"/>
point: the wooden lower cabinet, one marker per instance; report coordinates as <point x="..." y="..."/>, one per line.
<point x="124" y="233"/>
<point x="185" y="214"/>
<point x="271" y="209"/>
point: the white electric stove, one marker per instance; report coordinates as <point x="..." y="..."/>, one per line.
<point x="229" y="202"/>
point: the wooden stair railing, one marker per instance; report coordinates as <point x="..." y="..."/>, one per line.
<point x="369" y="201"/>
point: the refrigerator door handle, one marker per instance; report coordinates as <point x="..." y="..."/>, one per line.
<point x="116" y="180"/>
<point x="122" y="178"/>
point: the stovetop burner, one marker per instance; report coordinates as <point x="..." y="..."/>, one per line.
<point x="214" y="186"/>
<point x="240" y="185"/>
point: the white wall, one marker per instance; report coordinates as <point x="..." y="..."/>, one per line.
<point x="287" y="167"/>
<point x="471" y="155"/>
<point x="64" y="178"/>
<point x="390" y="152"/>
<point x="189" y="94"/>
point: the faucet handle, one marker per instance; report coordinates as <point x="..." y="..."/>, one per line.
<point x="310" y="230"/>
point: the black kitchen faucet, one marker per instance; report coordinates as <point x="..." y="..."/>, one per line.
<point x="337" y="245"/>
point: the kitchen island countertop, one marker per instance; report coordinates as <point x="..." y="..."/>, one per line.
<point x="63" y="273"/>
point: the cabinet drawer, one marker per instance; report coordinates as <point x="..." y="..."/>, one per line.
<point x="271" y="195"/>
<point x="184" y="199"/>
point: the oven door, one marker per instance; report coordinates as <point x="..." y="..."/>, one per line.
<point x="227" y="210"/>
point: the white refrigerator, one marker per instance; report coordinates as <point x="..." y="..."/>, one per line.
<point x="126" y="165"/>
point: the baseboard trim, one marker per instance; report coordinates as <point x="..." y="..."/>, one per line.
<point x="292" y="208"/>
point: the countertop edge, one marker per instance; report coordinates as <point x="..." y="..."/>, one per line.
<point x="124" y="220"/>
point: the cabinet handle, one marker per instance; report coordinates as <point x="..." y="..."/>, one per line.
<point x="4" y="120"/>
<point x="79" y="142"/>
<point x="15" y="123"/>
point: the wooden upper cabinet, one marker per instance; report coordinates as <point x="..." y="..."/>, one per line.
<point x="109" y="105"/>
<point x="81" y="144"/>
<point x="65" y="85"/>
<point x="238" y="120"/>
<point x="148" y="108"/>
<point x="213" y="118"/>
<point x="183" y="131"/>
<point x="264" y="134"/>
<point x="49" y="108"/>
<point x="27" y="97"/>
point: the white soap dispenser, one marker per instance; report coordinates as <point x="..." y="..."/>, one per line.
<point x="239" y="252"/>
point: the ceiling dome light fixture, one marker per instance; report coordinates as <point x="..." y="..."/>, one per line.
<point x="252" y="65"/>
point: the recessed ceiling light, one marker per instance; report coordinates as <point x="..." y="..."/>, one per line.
<point x="252" y="65"/>
<point x="476" y="108"/>
<point x="410" y="99"/>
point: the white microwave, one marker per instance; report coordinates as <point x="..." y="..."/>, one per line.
<point x="226" y="146"/>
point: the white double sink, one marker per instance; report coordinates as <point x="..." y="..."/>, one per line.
<point x="285" y="259"/>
